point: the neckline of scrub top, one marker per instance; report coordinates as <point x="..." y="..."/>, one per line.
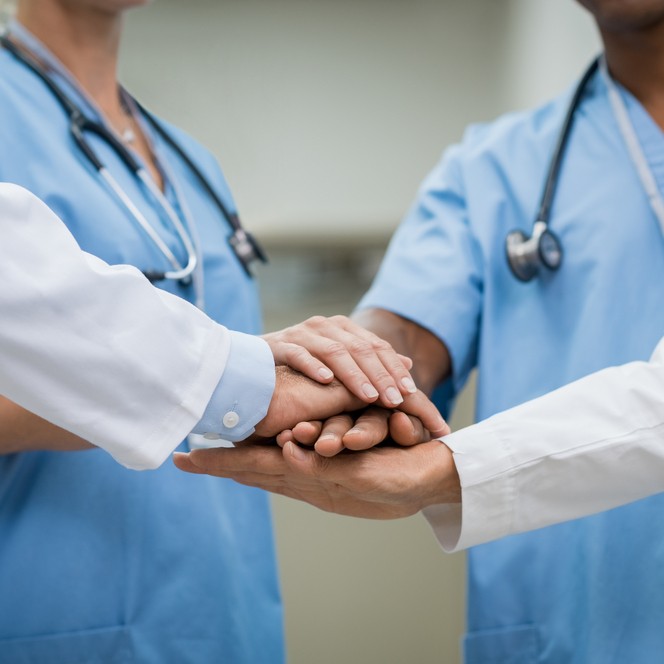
<point x="171" y="190"/>
<point x="648" y="133"/>
<point x="55" y="66"/>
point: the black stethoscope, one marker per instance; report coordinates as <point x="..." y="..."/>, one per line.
<point x="527" y="255"/>
<point x="245" y="247"/>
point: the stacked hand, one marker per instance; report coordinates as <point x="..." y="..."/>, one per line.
<point x="343" y="369"/>
<point x="322" y="348"/>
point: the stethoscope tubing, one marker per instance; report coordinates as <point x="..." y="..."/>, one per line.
<point x="553" y="174"/>
<point x="244" y="245"/>
<point x="78" y="125"/>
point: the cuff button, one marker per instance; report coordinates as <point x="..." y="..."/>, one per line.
<point x="231" y="419"/>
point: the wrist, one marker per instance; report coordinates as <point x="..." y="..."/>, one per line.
<point x="442" y="478"/>
<point x="297" y="398"/>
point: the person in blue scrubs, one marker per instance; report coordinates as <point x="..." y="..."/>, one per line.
<point x="98" y="563"/>
<point x="587" y="591"/>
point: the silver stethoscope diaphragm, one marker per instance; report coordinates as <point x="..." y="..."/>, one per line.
<point x="526" y="255"/>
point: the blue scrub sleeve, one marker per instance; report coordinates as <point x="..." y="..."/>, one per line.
<point x="243" y="394"/>
<point x="432" y="273"/>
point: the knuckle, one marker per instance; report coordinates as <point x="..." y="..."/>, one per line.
<point x="338" y="319"/>
<point x="360" y="347"/>
<point x="320" y="466"/>
<point x="297" y="352"/>
<point x="335" y="349"/>
<point x="315" y="321"/>
<point x="381" y="378"/>
<point x="381" y="345"/>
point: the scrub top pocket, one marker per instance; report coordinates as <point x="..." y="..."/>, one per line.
<point x="109" y="645"/>
<point x="509" y="645"/>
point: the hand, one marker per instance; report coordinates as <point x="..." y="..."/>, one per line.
<point x="367" y="429"/>
<point x="416" y="422"/>
<point x="322" y="348"/>
<point x="298" y="398"/>
<point x="380" y="483"/>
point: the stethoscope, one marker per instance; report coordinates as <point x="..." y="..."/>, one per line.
<point x="527" y="255"/>
<point x="245" y="247"/>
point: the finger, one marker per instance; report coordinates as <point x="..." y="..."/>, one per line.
<point x="330" y="441"/>
<point x="396" y="364"/>
<point x="307" y="433"/>
<point x="366" y="364"/>
<point x="407" y="430"/>
<point x="225" y="462"/>
<point x="183" y="462"/>
<point x="420" y="406"/>
<point x="284" y="437"/>
<point x="406" y="361"/>
<point x="379" y="361"/>
<point x="299" y="358"/>
<point x="369" y="429"/>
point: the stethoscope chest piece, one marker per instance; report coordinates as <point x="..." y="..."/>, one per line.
<point x="247" y="248"/>
<point x="526" y="255"/>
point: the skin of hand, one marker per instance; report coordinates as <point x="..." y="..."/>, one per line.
<point x="297" y="398"/>
<point x="323" y="348"/>
<point x="432" y="364"/>
<point x="380" y="483"/>
<point x="295" y="394"/>
<point x="358" y="432"/>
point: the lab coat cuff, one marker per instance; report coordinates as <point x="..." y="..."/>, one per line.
<point x="488" y="491"/>
<point x="242" y="397"/>
<point x="173" y="428"/>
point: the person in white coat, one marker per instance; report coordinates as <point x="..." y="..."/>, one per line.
<point x="73" y="376"/>
<point x="592" y="445"/>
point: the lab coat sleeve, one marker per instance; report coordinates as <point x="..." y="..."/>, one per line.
<point x="99" y="351"/>
<point x="590" y="446"/>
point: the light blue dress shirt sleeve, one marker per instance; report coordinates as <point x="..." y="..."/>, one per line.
<point x="243" y="394"/>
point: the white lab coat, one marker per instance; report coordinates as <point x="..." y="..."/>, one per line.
<point x="590" y="446"/>
<point x="96" y="349"/>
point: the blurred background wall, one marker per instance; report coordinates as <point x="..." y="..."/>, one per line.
<point x="325" y="115"/>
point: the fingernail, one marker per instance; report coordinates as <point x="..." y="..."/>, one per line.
<point x="325" y="373"/>
<point x="353" y="431"/>
<point x="297" y="452"/>
<point x="369" y="391"/>
<point x="409" y="384"/>
<point x="393" y="396"/>
<point x="442" y="426"/>
<point x="328" y="436"/>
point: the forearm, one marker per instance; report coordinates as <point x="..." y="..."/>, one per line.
<point x="431" y="359"/>
<point x="590" y="446"/>
<point x="96" y="349"/>
<point x="23" y="431"/>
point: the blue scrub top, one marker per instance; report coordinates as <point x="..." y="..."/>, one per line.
<point x="99" y="563"/>
<point x="589" y="591"/>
